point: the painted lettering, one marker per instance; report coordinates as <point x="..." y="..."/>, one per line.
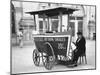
<point x="61" y="46"/>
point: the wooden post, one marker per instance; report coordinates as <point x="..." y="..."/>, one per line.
<point x="35" y="22"/>
<point x="44" y="24"/>
<point x="68" y="22"/>
<point x="76" y="27"/>
<point x="60" y="22"/>
<point x="50" y="24"/>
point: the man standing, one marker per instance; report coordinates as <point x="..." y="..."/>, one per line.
<point x="80" y="47"/>
<point x="20" y="37"/>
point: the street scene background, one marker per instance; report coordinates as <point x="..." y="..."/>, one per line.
<point x="82" y="20"/>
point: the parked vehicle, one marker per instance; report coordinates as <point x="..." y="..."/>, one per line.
<point x="53" y="46"/>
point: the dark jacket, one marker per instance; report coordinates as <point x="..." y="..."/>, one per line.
<point x="81" y="45"/>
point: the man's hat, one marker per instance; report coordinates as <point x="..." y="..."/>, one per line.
<point x="79" y="33"/>
<point x="20" y="28"/>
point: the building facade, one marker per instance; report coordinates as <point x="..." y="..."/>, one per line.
<point x="82" y="20"/>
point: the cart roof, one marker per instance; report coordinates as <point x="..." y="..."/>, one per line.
<point x="53" y="11"/>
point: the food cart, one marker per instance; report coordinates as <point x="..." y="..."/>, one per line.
<point x="53" y="47"/>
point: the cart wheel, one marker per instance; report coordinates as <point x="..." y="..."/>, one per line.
<point x="48" y="60"/>
<point x="36" y="57"/>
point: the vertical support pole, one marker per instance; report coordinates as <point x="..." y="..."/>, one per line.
<point x="67" y="22"/>
<point x="37" y="23"/>
<point x="60" y="22"/>
<point x="28" y="33"/>
<point x="76" y="27"/>
<point x="34" y="22"/>
<point x="64" y="23"/>
<point x="44" y="24"/>
<point x="50" y="24"/>
<point x="21" y="4"/>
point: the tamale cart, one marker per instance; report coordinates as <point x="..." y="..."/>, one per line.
<point x="51" y="46"/>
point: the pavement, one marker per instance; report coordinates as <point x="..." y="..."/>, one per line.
<point x="22" y="60"/>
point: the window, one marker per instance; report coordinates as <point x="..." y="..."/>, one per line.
<point x="72" y="26"/>
<point x="71" y="18"/>
<point x="40" y="26"/>
<point x="55" y="25"/>
<point x="80" y="26"/>
<point x="79" y="18"/>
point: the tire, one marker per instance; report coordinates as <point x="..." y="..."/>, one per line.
<point x="48" y="60"/>
<point x="36" y="57"/>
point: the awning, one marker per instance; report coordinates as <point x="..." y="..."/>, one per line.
<point x="54" y="11"/>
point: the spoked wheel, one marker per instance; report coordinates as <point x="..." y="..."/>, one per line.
<point x="36" y="57"/>
<point x="48" y="58"/>
<point x="48" y="61"/>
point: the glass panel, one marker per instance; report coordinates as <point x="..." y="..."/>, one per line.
<point x="55" y="17"/>
<point x="80" y="26"/>
<point x="55" y="25"/>
<point x="72" y="25"/>
<point x="40" y="26"/>
<point x="71" y="18"/>
<point x="79" y="18"/>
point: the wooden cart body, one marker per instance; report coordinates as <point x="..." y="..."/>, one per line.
<point x="60" y="45"/>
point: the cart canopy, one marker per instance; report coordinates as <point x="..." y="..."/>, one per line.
<point x="53" y="11"/>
